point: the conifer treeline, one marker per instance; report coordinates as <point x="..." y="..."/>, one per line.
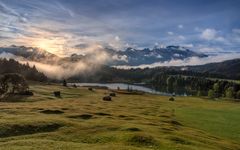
<point x="200" y="86"/>
<point x="13" y="66"/>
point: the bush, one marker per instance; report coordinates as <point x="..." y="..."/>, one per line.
<point x="238" y="95"/>
<point x="64" y="83"/>
<point x="13" y="83"/>
<point x="107" y="98"/>
<point x="112" y="94"/>
<point x="201" y="93"/>
<point x="171" y="99"/>
<point x="57" y="93"/>
<point x="211" y="94"/>
<point x="28" y="93"/>
<point x="143" y="140"/>
<point x="230" y="92"/>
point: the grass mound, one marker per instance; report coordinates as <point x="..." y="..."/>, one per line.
<point x="102" y="114"/>
<point x="122" y="116"/>
<point x="11" y="98"/>
<point x="173" y="122"/>
<point x="142" y="140"/>
<point x="51" y="111"/>
<point x="180" y="140"/>
<point x="83" y="116"/>
<point x="98" y="139"/>
<point x="133" y="129"/>
<point x="165" y="116"/>
<point x="24" y="129"/>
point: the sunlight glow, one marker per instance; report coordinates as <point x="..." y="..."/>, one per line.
<point x="50" y="45"/>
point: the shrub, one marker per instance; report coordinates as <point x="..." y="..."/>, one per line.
<point x="112" y="94"/>
<point x="171" y="99"/>
<point x="201" y="93"/>
<point x="107" y="98"/>
<point x="143" y="140"/>
<point x="238" y="95"/>
<point x="13" y="83"/>
<point x="57" y="93"/>
<point x="211" y="94"/>
<point x="64" y="82"/>
<point x="28" y="93"/>
<point x="230" y="92"/>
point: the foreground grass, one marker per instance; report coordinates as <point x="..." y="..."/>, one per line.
<point x="81" y="120"/>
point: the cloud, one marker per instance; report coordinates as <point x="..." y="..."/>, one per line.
<point x="188" y="61"/>
<point x="212" y="35"/>
<point x="236" y="31"/>
<point x="7" y="56"/>
<point x="60" y="70"/>
<point x="205" y="49"/>
<point x="180" y="37"/>
<point x="69" y="11"/>
<point x="116" y="43"/>
<point x="82" y="45"/>
<point x="180" y="26"/>
<point x="56" y="71"/>
<point x="52" y="26"/>
<point x="235" y="37"/>
<point x="120" y="58"/>
<point x="64" y="68"/>
<point x="9" y="12"/>
<point x="170" y="33"/>
<point x="197" y="29"/>
<point x="209" y="34"/>
<point x="117" y="38"/>
<point x="187" y="45"/>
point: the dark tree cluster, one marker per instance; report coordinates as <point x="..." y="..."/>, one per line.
<point x="109" y="74"/>
<point x="30" y="73"/>
<point x="13" y="84"/>
<point x="199" y="86"/>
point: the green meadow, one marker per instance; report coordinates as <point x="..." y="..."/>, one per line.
<point x="80" y="119"/>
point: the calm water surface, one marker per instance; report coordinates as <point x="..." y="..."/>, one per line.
<point x="124" y="86"/>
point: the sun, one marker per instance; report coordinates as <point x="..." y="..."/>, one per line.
<point x="55" y="44"/>
<point x="44" y="44"/>
<point x="50" y="45"/>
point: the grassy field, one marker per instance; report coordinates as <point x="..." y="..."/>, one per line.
<point x="82" y="120"/>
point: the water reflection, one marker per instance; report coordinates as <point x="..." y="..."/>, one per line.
<point x="147" y="88"/>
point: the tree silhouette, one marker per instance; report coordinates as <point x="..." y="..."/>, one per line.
<point x="64" y="82"/>
<point x="13" y="83"/>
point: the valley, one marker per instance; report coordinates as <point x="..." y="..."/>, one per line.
<point x="80" y="119"/>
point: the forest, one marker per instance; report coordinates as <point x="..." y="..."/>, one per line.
<point x="13" y="66"/>
<point x="198" y="86"/>
<point x="166" y="79"/>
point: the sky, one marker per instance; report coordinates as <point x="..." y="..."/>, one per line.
<point x="62" y="26"/>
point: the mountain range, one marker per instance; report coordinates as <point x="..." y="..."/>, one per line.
<point x="135" y="57"/>
<point x="28" y="53"/>
<point x="130" y="56"/>
<point x="227" y="69"/>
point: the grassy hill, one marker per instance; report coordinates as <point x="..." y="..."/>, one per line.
<point x="82" y="120"/>
<point x="229" y="69"/>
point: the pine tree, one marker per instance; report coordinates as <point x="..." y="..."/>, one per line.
<point x="64" y="82"/>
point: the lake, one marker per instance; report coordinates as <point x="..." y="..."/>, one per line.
<point x="124" y="86"/>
